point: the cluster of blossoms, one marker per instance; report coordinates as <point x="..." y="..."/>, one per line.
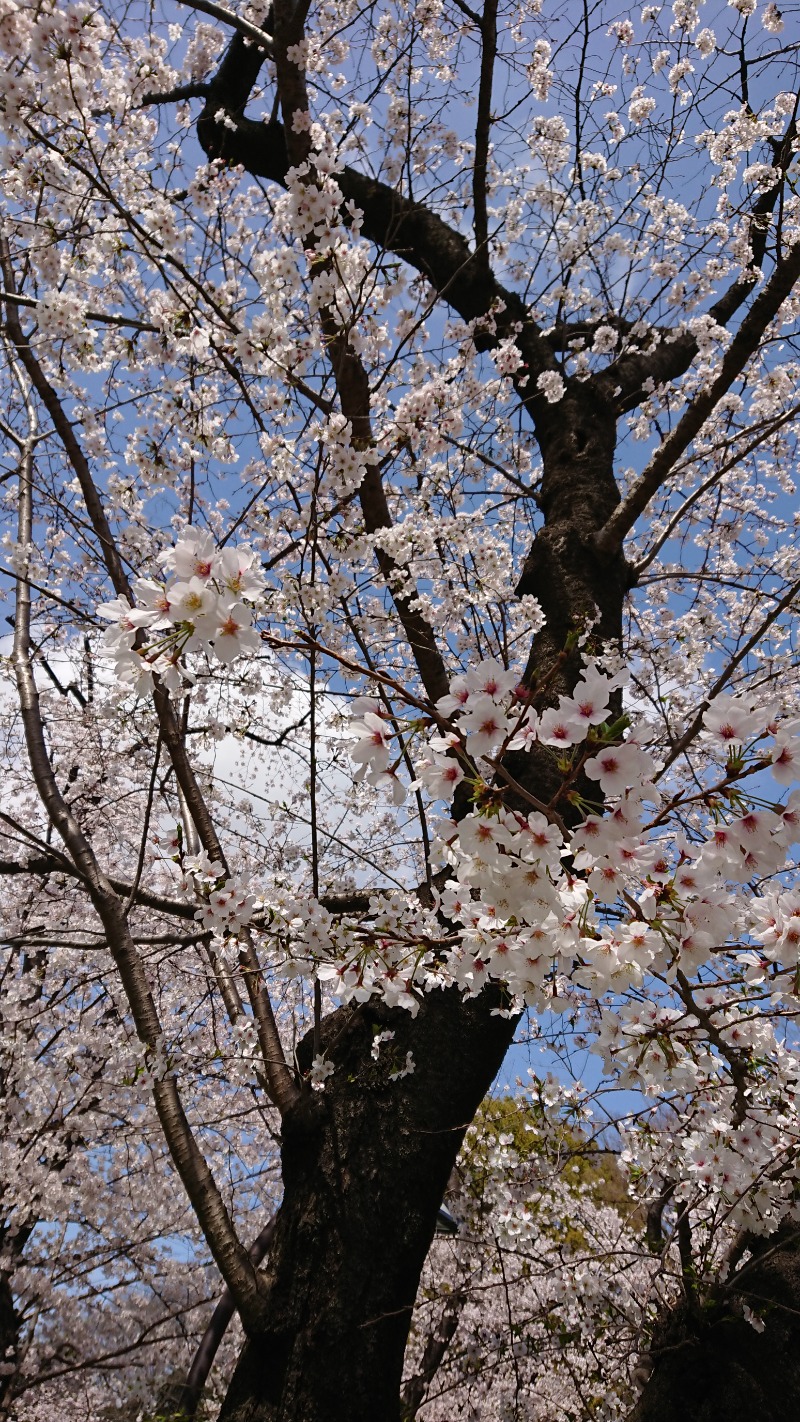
<point x="391" y="957"/>
<point x="206" y="602"/>
<point x="621" y="917"/>
<point x="733" y="1160"/>
<point x="226" y="904"/>
<point x="593" y="915"/>
<point x="494" y="717"/>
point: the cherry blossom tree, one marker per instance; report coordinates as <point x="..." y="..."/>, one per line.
<point x="520" y="1311"/>
<point x="400" y="429"/>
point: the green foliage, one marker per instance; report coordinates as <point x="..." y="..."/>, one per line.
<point x="513" y="1134"/>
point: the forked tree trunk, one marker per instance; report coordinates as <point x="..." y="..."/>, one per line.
<point x="365" y="1166"/>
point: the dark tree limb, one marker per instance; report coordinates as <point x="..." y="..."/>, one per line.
<point x="365" y="1165"/>
<point x="483" y="129"/>
<point x="244" y="28"/>
<point x="352" y="383"/>
<point x="442" y="1335"/>
<point x="654" y="1233"/>
<point x="184" y="1401"/>
<point x="460" y="276"/>
<point x="175" y="96"/>
<point x="671" y="358"/>
<point x="393" y="222"/>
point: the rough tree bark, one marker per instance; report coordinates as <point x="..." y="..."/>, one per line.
<point x="11" y="1249"/>
<point x="9" y="1330"/>
<point x="365" y="1167"/>
<point x="710" y="1362"/>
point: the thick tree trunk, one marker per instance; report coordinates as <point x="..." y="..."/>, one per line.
<point x="9" y="1339"/>
<point x="366" y="1162"/>
<point x="713" y="1364"/>
<point x="365" y="1167"/>
<point x="577" y="590"/>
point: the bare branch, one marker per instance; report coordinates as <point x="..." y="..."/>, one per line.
<point x="188" y="1397"/>
<point x="746" y="341"/>
<point x="235" y="22"/>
